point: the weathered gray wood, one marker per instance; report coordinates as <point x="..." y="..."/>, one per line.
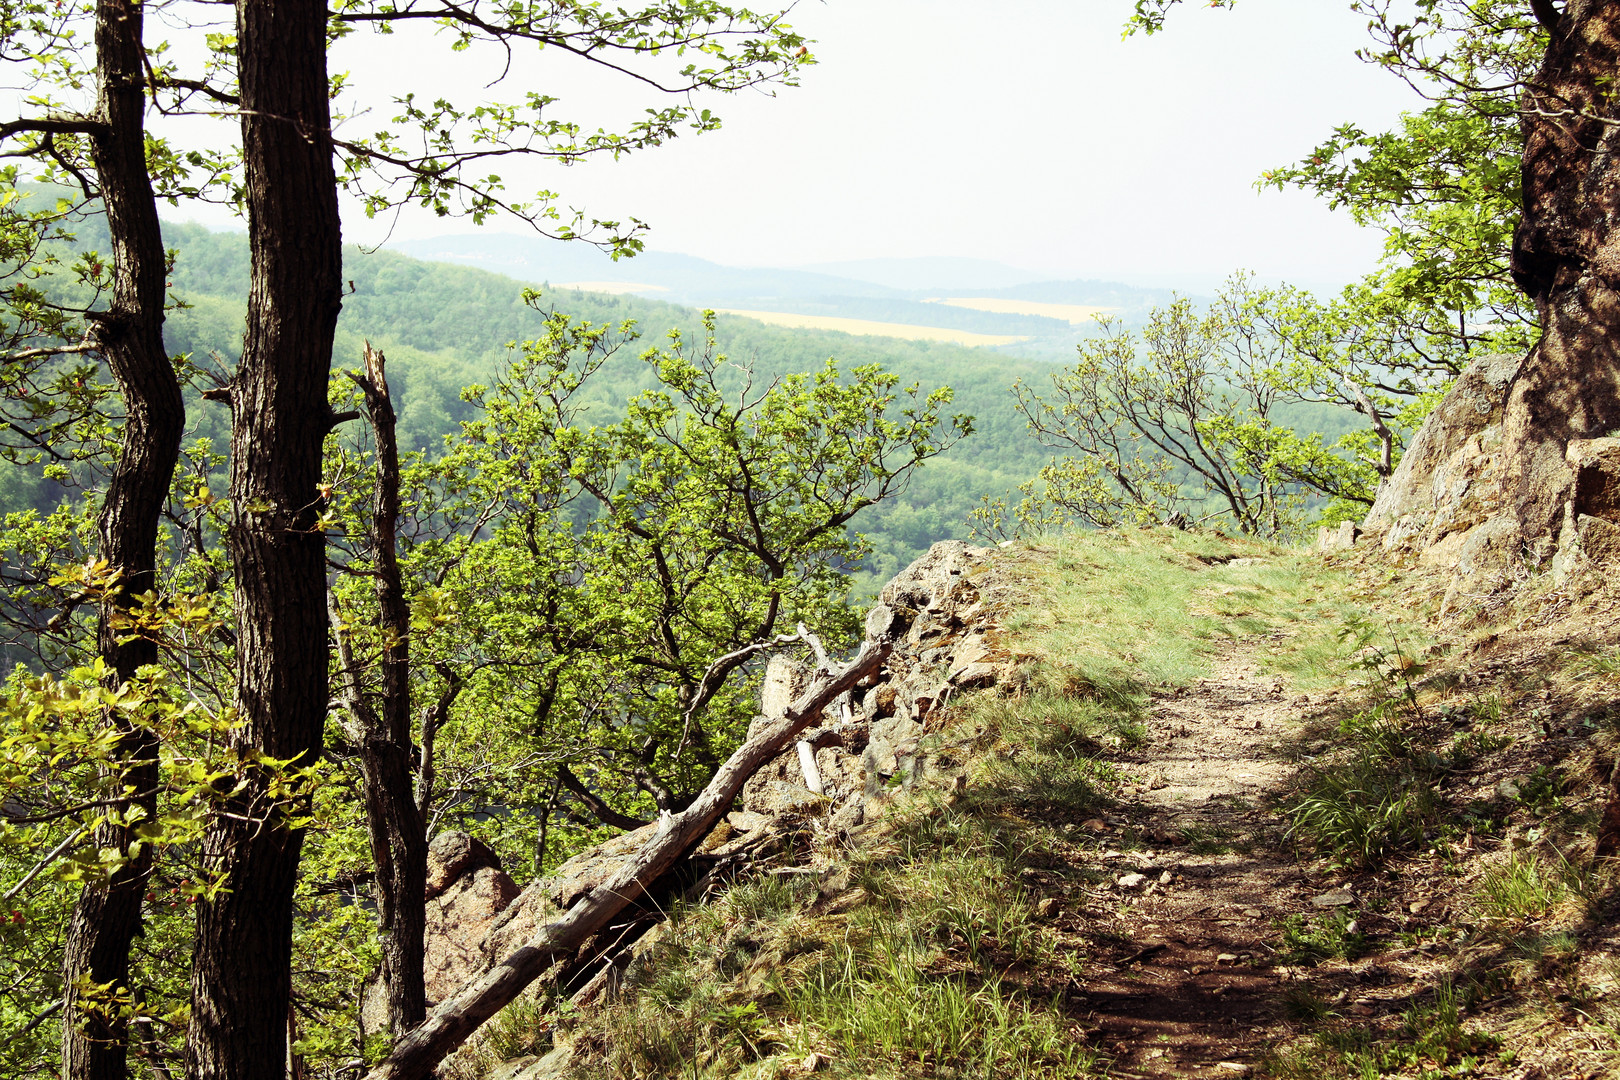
<point x="415" y="1056"/>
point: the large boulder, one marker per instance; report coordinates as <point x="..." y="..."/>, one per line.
<point x="1447" y="505"/>
<point x="457" y="920"/>
<point x="1448" y="481"/>
<point x="466" y="892"/>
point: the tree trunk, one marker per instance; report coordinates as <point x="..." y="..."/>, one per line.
<point x="1566" y="256"/>
<point x="241" y="982"/>
<point x="398" y="833"/>
<point x="130" y="335"/>
<point x="419" y="1053"/>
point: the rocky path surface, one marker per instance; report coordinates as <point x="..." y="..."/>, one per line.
<point x="1199" y="879"/>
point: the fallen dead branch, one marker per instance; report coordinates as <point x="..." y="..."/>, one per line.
<point x="447" y="1027"/>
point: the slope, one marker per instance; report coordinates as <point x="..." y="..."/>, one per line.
<point x="1240" y="811"/>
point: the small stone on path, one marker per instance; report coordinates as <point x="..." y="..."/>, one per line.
<point x="1334" y="898"/>
<point x="1131" y="881"/>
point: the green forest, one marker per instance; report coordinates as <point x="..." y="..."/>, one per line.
<point x="313" y="554"/>
<point x="445" y="328"/>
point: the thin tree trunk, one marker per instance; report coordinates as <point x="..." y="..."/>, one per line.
<point x="241" y="979"/>
<point x="1564" y="257"/>
<point x="415" y="1056"/>
<point x="398" y="835"/>
<point x="107" y="916"/>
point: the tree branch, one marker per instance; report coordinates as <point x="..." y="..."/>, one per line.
<point x="52" y="125"/>
<point x="595" y="803"/>
<point x="415" y="1056"/>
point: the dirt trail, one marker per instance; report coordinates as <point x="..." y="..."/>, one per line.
<point x="1199" y="877"/>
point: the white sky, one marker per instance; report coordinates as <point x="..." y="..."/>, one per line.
<point x="1023" y="131"/>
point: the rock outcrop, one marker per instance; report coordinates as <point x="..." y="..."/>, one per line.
<point x="466" y="890"/>
<point x="1448" y="484"/>
<point x="943" y="614"/>
<point x="946" y="636"/>
<point x="1447" y="504"/>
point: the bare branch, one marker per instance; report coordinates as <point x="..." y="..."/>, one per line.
<point x="415" y="1056"/>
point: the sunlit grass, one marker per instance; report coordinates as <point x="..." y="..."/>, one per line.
<point x="1119" y="612"/>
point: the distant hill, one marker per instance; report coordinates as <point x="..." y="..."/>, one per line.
<point x="930" y="275"/>
<point x="896" y="291"/>
<point x="447" y="326"/>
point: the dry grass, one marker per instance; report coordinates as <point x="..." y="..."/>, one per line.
<point x="1075" y="314"/>
<point x="866" y="328"/>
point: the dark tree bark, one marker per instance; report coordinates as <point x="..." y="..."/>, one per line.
<point x="595" y="803"/>
<point x="241" y="980"/>
<point x="1566" y="256"/>
<point x="130" y="337"/>
<point x="398" y="831"/>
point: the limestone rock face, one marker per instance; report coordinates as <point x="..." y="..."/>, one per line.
<point x="1447" y="504"/>
<point x="1448" y="480"/>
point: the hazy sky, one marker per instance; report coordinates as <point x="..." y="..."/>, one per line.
<point x="1024" y="131"/>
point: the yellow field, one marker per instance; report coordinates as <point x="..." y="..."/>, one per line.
<point x="613" y="288"/>
<point x="873" y="329"/>
<point x="1075" y="314"/>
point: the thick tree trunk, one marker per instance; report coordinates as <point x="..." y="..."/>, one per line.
<point x="241" y="981"/>
<point x="398" y="833"/>
<point x="130" y="334"/>
<point x="1566" y="255"/>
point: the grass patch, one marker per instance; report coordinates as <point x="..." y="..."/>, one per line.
<point x="1186" y="593"/>
<point x="1378" y="795"/>
<point x="883" y="1006"/>
<point x="1334" y="937"/>
<point x="1432" y="1041"/>
<point x="1530" y="886"/>
<point x="937" y="964"/>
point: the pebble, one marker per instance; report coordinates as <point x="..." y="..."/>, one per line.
<point x="1334" y="898"/>
<point x="1131" y="881"/>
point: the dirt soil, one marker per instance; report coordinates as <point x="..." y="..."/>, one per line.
<point x="1197" y="877"/>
